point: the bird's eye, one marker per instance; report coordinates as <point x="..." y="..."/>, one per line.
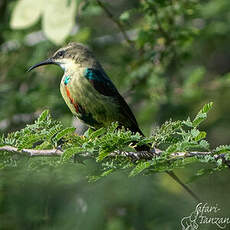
<point x="60" y="53"/>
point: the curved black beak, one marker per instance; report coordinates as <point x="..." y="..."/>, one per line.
<point x="46" y="62"/>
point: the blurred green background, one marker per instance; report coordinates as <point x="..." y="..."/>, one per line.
<point x="177" y="60"/>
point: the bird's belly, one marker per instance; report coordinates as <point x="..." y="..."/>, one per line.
<point x="89" y="105"/>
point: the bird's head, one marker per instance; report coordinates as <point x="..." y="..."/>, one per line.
<point x="71" y="56"/>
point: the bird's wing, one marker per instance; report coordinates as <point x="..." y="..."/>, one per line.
<point x="102" y="83"/>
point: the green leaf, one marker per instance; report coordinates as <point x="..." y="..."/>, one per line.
<point x="92" y="179"/>
<point x="97" y="133"/>
<point x="88" y="132"/>
<point x="102" y="155"/>
<point x="199" y="118"/>
<point x="219" y="162"/>
<point x="139" y="168"/>
<point x="63" y="133"/>
<point x="172" y="148"/>
<point x="43" y="116"/>
<point x="222" y="149"/>
<point x="107" y="172"/>
<point x="207" y="107"/>
<point x="204" y="144"/>
<point x="200" y="136"/>
<point x="202" y="115"/>
<point x="227" y="156"/>
<point x="113" y="127"/>
<point x="68" y="153"/>
<point x="188" y="122"/>
<point x="195" y="132"/>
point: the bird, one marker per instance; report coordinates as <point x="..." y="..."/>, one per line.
<point x="89" y="92"/>
<point x="92" y="96"/>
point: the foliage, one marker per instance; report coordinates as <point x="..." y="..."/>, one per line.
<point x="172" y="137"/>
<point x="176" y="59"/>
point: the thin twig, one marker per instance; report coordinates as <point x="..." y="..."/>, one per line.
<point x="116" y="21"/>
<point x="161" y="29"/>
<point x="177" y="179"/>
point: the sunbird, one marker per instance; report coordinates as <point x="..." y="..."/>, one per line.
<point x="91" y="95"/>
<point x="89" y="92"/>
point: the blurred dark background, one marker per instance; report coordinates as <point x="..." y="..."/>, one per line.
<point x="177" y="60"/>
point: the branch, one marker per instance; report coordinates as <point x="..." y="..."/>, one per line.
<point x="157" y="152"/>
<point x="31" y="152"/>
<point x="116" y="21"/>
<point x="145" y="155"/>
<point x="173" y="156"/>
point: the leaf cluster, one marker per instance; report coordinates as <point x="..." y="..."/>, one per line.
<point x="108" y="145"/>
